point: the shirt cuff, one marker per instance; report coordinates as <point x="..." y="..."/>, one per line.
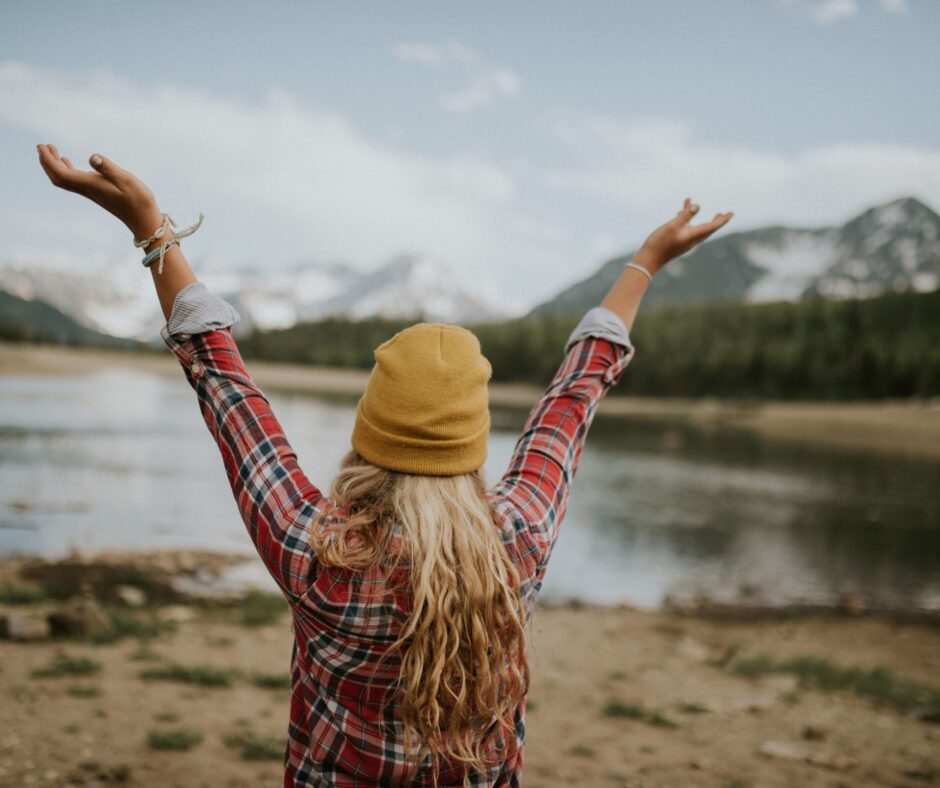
<point x="600" y="322"/>
<point x="196" y="310"/>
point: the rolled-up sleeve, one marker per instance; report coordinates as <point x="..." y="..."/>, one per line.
<point x="600" y="322"/>
<point x="535" y="489"/>
<point x="195" y="310"/>
<point x="276" y="500"/>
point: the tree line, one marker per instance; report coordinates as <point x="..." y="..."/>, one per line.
<point x="874" y="348"/>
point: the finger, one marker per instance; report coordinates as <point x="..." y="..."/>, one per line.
<point x="107" y="168"/>
<point x="689" y="209"/>
<point x="67" y="162"/>
<point x="66" y="177"/>
<point x="702" y="231"/>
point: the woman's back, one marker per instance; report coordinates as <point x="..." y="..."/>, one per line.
<point x="345" y="665"/>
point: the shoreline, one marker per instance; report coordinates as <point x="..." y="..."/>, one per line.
<point x="904" y="427"/>
<point x="619" y="697"/>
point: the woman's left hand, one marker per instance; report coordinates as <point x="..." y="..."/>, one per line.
<point x="118" y="191"/>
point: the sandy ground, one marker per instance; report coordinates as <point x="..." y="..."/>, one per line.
<point x="897" y="426"/>
<point x="715" y="728"/>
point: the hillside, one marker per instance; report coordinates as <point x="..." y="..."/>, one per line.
<point x="37" y="321"/>
<point x="895" y="246"/>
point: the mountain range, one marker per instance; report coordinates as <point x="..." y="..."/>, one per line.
<point x="894" y="246"/>
<point x="116" y="300"/>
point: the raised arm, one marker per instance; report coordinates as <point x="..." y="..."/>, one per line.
<point x="275" y="499"/>
<point x="535" y="489"/>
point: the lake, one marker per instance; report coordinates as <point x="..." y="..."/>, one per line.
<point x="122" y="460"/>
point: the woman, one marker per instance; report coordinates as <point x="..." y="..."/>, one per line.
<point x="410" y="583"/>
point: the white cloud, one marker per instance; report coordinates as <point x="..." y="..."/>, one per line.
<point x="895" y="6"/>
<point x="642" y="168"/>
<point x="484" y="82"/>
<point x="278" y="178"/>
<point x="416" y="52"/>
<point x="283" y="181"/>
<point x="827" y="11"/>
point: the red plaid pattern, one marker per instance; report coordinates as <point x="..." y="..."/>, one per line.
<point x="344" y="622"/>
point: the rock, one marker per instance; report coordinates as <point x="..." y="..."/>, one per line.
<point x="691" y="649"/>
<point x="131" y="596"/>
<point x="179" y="614"/>
<point x="853" y="604"/>
<point x="788" y="751"/>
<point x="16" y="625"/>
<point x="813" y="734"/>
<point x="79" y="618"/>
<point x="930" y="715"/>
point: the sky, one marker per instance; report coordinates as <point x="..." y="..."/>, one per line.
<point x="519" y="144"/>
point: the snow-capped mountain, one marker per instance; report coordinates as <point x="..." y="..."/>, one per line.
<point x="895" y="246"/>
<point x="117" y="300"/>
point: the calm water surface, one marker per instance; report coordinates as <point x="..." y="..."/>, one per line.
<point x="123" y="460"/>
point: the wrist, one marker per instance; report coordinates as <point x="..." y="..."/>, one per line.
<point x="651" y="261"/>
<point x="144" y="223"/>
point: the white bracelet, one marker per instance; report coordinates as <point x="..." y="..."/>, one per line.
<point x="640" y="268"/>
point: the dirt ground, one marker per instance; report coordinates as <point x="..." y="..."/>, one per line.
<point x="899" y="426"/>
<point x="619" y="697"/>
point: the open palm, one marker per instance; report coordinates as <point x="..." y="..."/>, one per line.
<point x="117" y="190"/>
<point x="678" y="235"/>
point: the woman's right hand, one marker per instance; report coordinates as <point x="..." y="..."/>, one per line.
<point x="118" y="191"/>
<point x="676" y="237"/>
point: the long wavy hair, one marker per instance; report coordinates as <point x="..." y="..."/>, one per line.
<point x="464" y="669"/>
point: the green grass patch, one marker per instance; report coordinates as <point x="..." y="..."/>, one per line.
<point x="178" y="740"/>
<point x="633" y="712"/>
<point x="271" y="680"/>
<point x="582" y="751"/>
<point x="258" y="609"/>
<point x="84" y="692"/>
<point x="145" y="654"/>
<point x="877" y="684"/>
<point x="257" y="748"/>
<point x="200" y="675"/>
<point x="67" y="666"/>
<point x="692" y="708"/>
<point x="124" y="624"/>
<point x="21" y="595"/>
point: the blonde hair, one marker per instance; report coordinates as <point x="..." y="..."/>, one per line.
<point x="463" y="663"/>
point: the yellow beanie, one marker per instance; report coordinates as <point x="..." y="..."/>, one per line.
<point x="425" y="409"/>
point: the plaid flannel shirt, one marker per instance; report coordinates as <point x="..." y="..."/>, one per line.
<point x="344" y="622"/>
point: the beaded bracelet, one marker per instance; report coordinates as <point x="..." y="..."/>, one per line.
<point x="159" y="251"/>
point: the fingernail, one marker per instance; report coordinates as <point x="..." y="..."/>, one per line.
<point x="96" y="160"/>
<point x="694" y="208"/>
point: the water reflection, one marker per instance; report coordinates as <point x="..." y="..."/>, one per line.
<point x="120" y="459"/>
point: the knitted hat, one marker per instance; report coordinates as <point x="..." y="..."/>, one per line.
<point x="425" y="408"/>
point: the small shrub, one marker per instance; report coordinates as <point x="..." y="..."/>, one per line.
<point x="259" y="609"/>
<point x="67" y="666"/>
<point x="633" y="712"/>
<point x="256" y="748"/>
<point x="166" y="716"/>
<point x="201" y="675"/>
<point x="125" y="624"/>
<point x="271" y="680"/>
<point x="877" y="684"/>
<point x="582" y="751"/>
<point x="179" y="740"/>
<point x="21" y="595"/>
<point x="84" y="692"/>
